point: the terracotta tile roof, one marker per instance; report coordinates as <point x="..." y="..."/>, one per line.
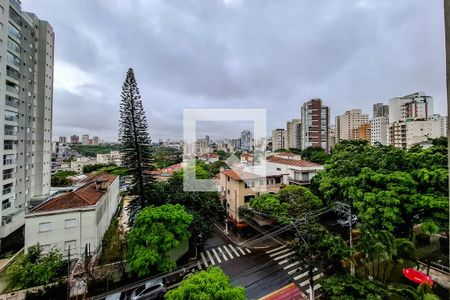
<point x="209" y="155"/>
<point x="86" y="195"/>
<point x="169" y="170"/>
<point x="292" y="162"/>
<point x="287" y="154"/>
<point x="240" y="175"/>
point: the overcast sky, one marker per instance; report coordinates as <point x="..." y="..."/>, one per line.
<point x="272" y="54"/>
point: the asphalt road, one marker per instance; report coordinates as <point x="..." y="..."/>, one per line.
<point x="257" y="272"/>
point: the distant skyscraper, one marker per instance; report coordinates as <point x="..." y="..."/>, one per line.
<point x="293" y="134"/>
<point x="380" y="110"/>
<point x="416" y="106"/>
<point x="85" y="139"/>
<point x="26" y="76"/>
<point x="74" y="139"/>
<point x="246" y="140"/>
<point x="95" y="140"/>
<point x="315" y="124"/>
<point x="379" y="130"/>
<point x="278" y="139"/>
<point x="62" y="140"/>
<point x="347" y="123"/>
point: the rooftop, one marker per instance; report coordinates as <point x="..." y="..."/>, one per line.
<point x="292" y="162"/>
<point x="86" y="195"/>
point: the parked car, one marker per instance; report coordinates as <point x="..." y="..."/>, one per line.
<point x="154" y="289"/>
<point x="116" y="296"/>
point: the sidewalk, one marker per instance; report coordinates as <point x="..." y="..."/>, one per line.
<point x="247" y="242"/>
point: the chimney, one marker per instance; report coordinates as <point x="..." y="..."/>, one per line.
<point x="101" y="185"/>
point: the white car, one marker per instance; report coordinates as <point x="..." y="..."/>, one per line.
<point x="154" y="289"/>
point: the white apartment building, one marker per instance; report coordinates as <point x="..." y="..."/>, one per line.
<point x="78" y="164"/>
<point x="420" y="131"/>
<point x="415" y="106"/>
<point x="113" y="157"/>
<point x="379" y="130"/>
<point x="75" y="220"/>
<point x="85" y="139"/>
<point x="347" y="123"/>
<point x="294" y="134"/>
<point x="246" y="140"/>
<point x="278" y="139"/>
<point x="26" y="80"/>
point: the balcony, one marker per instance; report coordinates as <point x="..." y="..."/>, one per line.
<point x="299" y="181"/>
<point x="12" y="220"/>
<point x="9" y="161"/>
<point x="12" y="102"/>
<point x="13" y="89"/>
<point x="14" y="32"/>
<point x="15" y="4"/>
<point x="13" y="74"/>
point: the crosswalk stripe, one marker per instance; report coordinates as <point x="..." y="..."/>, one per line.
<point x="248" y="250"/>
<point x="217" y="256"/>
<point x="210" y="258"/>
<point x="283" y="261"/>
<point x="284" y="255"/>
<point x="276" y="249"/>
<point x="304" y="274"/>
<point x="279" y="252"/>
<point x="228" y="251"/>
<point x="306" y="282"/>
<point x="291" y="265"/>
<point x="242" y="251"/>
<point x="316" y="287"/>
<point x="204" y="259"/>
<point x="199" y="266"/>
<point x="235" y="252"/>
<point x="223" y="253"/>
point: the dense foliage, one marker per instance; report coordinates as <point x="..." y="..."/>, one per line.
<point x="162" y="157"/>
<point x="34" y="268"/>
<point x="211" y="284"/>
<point x="315" y="154"/>
<point x="93" y="150"/>
<point x="389" y="188"/>
<point x="291" y="202"/>
<point x="155" y="232"/>
<point x="352" y="287"/>
<point x="60" y="178"/>
<point x="204" y="207"/>
<point x="135" y="140"/>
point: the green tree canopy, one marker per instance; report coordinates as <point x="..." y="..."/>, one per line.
<point x="350" y="287"/>
<point x="156" y="231"/>
<point x="60" y="178"/>
<point x="211" y="284"/>
<point x="315" y="154"/>
<point x="34" y="268"/>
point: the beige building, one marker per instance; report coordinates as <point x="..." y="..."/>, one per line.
<point x="299" y="171"/>
<point x="293" y="134"/>
<point x="75" y="220"/>
<point x="239" y="187"/>
<point x="278" y="139"/>
<point x="112" y="158"/>
<point x="347" y="123"/>
<point x="78" y="164"/>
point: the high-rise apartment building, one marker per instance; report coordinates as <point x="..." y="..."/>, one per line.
<point x="95" y="140"/>
<point x="379" y="130"/>
<point x="315" y="124"/>
<point x="278" y="139"/>
<point x="294" y="134"/>
<point x="85" y="139"/>
<point x="74" y="139"/>
<point x="246" y="140"/>
<point x="347" y="123"/>
<point x="332" y="136"/>
<point x="62" y="140"/>
<point x="27" y="47"/>
<point x="415" y="106"/>
<point x="380" y="110"/>
<point x="363" y="132"/>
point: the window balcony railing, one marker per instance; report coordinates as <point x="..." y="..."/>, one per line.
<point x="13" y="74"/>
<point x="15" y="4"/>
<point x="7" y="190"/>
<point x="14" y="32"/>
<point x="9" y="162"/>
<point x="6" y="205"/>
<point x="13" y="102"/>
<point x="7" y="176"/>
<point x="10" y="132"/>
<point x="12" y="89"/>
<point x="12" y="118"/>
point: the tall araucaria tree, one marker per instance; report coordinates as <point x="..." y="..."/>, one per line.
<point x="135" y="140"/>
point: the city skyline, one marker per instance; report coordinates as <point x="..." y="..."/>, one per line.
<point x="399" y="55"/>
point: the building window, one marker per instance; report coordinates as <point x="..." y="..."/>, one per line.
<point x="70" y="245"/>
<point x="46" y="248"/>
<point x="71" y="223"/>
<point x="249" y="184"/>
<point x="45" y="227"/>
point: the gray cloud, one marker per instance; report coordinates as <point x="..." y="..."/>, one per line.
<point x="255" y="53"/>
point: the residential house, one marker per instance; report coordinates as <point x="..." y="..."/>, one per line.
<point x="299" y="171"/>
